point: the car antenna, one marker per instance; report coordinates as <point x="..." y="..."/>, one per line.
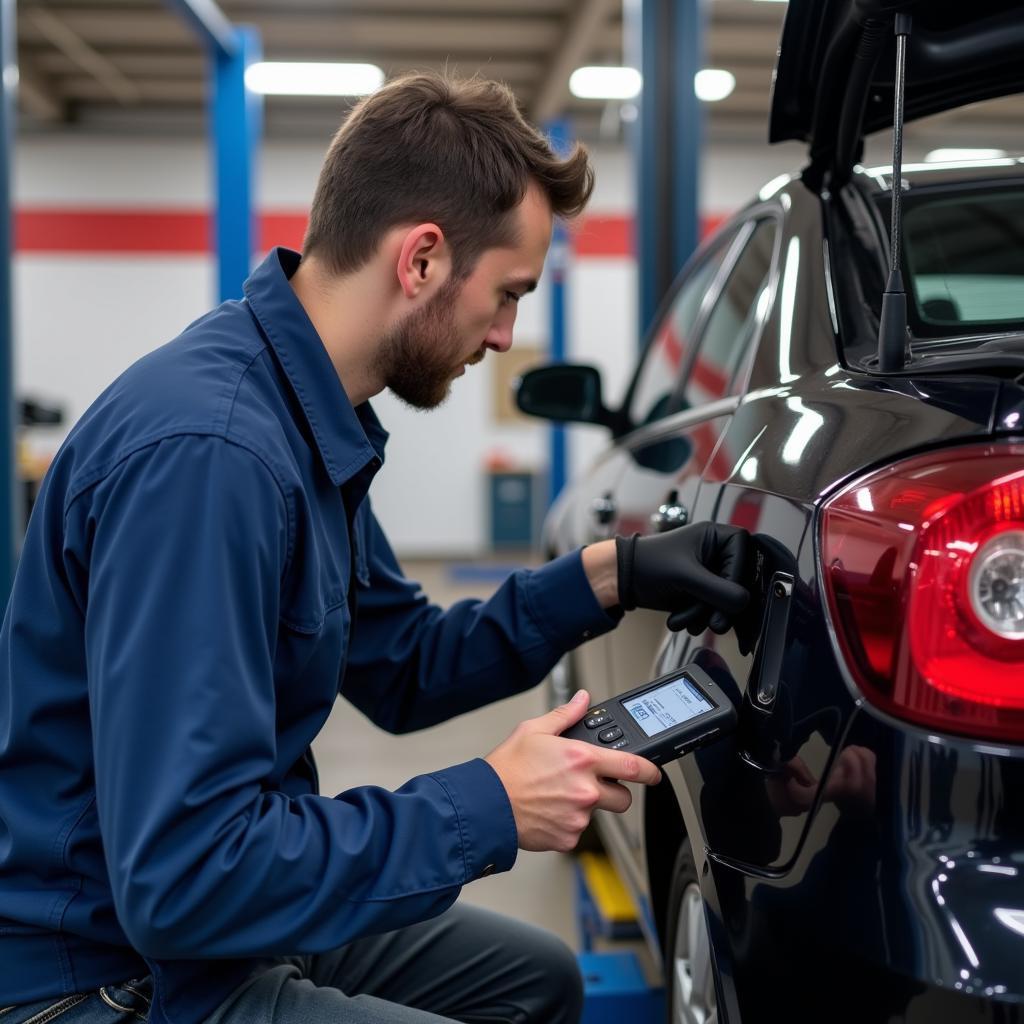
<point x="892" y="325"/>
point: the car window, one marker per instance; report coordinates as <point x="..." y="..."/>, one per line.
<point x="733" y="322"/>
<point x="671" y="345"/>
<point x="965" y="256"/>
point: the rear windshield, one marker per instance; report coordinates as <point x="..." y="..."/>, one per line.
<point x="964" y="260"/>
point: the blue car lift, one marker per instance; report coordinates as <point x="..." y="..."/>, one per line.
<point x="236" y="130"/>
<point x="614" y="983"/>
<point x="664" y="40"/>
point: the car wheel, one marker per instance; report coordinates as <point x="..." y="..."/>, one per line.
<point x="689" y="960"/>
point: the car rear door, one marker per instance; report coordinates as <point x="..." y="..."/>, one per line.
<point x="749" y="800"/>
<point x="666" y="457"/>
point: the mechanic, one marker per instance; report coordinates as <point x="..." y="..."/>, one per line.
<point x="203" y="575"/>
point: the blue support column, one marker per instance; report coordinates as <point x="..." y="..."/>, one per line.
<point x="236" y="130"/>
<point x="664" y="40"/>
<point x="236" y="124"/>
<point x="9" y="518"/>
<point x="559" y="133"/>
<point x="209" y="22"/>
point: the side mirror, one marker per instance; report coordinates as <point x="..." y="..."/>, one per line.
<point x="564" y="393"/>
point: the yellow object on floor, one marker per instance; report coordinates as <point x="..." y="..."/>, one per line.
<point x="606" y="889"/>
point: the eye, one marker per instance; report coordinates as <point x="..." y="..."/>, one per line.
<point x="511" y="297"/>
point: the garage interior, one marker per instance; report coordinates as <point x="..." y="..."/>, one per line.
<point x="116" y="139"/>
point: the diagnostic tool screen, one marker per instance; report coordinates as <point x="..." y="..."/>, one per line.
<point x="672" y="704"/>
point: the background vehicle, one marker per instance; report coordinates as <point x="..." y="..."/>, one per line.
<point x="856" y="851"/>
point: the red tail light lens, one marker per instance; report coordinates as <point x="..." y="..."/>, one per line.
<point x="923" y="565"/>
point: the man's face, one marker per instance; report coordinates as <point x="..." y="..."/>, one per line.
<point x="427" y="350"/>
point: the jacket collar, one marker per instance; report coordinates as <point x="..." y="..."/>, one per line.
<point x="348" y="439"/>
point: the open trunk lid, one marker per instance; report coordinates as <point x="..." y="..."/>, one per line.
<point x="834" y="80"/>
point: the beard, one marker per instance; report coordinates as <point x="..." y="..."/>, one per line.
<point x="420" y="358"/>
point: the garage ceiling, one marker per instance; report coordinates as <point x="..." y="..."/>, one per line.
<point x="134" y="65"/>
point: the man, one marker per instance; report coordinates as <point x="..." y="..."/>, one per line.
<point x="203" y="574"/>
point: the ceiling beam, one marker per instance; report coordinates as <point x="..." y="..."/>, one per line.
<point x="183" y="64"/>
<point x="90" y="60"/>
<point x="581" y="29"/>
<point x="283" y="32"/>
<point x="37" y="94"/>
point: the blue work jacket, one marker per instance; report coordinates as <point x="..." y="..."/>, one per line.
<point x="201" y="577"/>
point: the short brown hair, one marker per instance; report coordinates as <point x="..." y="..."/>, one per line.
<point x="431" y="147"/>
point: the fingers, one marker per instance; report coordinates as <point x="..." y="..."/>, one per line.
<point x="718" y="583"/>
<point x="695" y="620"/>
<point x="734" y="555"/>
<point x="687" y="618"/>
<point x="718" y="580"/>
<point x="614" y="764"/>
<point x="556" y="721"/>
<point x="722" y="594"/>
<point x="719" y="623"/>
<point x="614" y="797"/>
<point x="797" y="768"/>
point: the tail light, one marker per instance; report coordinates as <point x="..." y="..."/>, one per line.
<point x="923" y="564"/>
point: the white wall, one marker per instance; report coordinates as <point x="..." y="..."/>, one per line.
<point x="80" y="320"/>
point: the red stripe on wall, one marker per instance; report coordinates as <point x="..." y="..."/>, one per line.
<point x="283" y="228"/>
<point x="603" y="235"/>
<point x="39" y="230"/>
<point x="187" y="232"/>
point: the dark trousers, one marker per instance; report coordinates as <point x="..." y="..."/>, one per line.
<point x="467" y="965"/>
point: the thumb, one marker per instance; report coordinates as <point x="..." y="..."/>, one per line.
<point x="561" y="718"/>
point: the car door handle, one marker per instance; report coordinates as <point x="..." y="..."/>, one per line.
<point x="603" y="509"/>
<point x="768" y="658"/>
<point x="669" y="516"/>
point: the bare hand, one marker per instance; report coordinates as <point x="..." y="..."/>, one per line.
<point x="555" y="784"/>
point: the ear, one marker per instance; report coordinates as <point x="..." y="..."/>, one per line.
<point x="424" y="261"/>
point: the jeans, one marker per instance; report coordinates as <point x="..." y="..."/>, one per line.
<point x="125" y="1003"/>
<point x="467" y="965"/>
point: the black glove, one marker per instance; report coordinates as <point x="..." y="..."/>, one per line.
<point x="693" y="572"/>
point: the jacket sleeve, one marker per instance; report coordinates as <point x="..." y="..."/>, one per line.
<point x="412" y="664"/>
<point x="186" y="543"/>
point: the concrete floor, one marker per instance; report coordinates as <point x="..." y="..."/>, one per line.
<point x="352" y="751"/>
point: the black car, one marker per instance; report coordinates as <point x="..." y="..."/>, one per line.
<point x="855" y="851"/>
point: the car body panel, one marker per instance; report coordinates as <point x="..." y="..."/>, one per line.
<point x="806" y="879"/>
<point x="888" y="893"/>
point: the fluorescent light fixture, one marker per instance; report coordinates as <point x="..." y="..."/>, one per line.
<point x="713" y="84"/>
<point x="604" y="83"/>
<point x="945" y="156"/>
<point x="283" y="78"/>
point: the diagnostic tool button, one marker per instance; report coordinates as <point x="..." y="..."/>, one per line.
<point x="619" y="744"/>
<point x="610" y="735"/>
<point x="596" y="720"/>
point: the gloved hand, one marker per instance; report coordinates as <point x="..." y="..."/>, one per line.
<point x="693" y="572"/>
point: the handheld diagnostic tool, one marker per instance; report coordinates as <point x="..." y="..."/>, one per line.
<point x="661" y="720"/>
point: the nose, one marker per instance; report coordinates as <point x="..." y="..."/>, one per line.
<point x="499" y="337"/>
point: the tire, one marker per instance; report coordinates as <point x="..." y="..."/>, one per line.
<point x="691" y="978"/>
